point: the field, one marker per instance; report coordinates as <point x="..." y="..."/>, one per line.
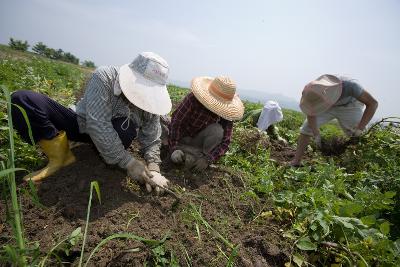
<point x="249" y="209"/>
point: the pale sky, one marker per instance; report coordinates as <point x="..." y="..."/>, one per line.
<point x="269" y="46"/>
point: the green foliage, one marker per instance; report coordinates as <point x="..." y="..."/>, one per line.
<point x="89" y="64"/>
<point x="342" y="210"/>
<point x="59" y="81"/>
<point x="95" y="185"/>
<point x="350" y="202"/>
<point x="57" y="54"/>
<point x="18" y="45"/>
<point x="177" y="93"/>
<point x="63" y="247"/>
<point x="39" y="48"/>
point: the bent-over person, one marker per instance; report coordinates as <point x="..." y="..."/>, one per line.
<point x="201" y="127"/>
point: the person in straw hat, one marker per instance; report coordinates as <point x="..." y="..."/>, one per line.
<point x="119" y="104"/>
<point x="330" y="97"/>
<point x="201" y="127"/>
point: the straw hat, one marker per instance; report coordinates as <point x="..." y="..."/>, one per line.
<point x="320" y="95"/>
<point x="219" y="96"/>
<point x="143" y="83"/>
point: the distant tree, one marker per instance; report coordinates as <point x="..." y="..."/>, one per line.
<point x="68" y="57"/>
<point x="88" y="64"/>
<point x="39" y="48"/>
<point x="18" y="44"/>
<point x="58" y="54"/>
<point x="49" y="52"/>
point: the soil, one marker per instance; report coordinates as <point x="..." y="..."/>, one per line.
<point x="127" y="207"/>
<point x="336" y="146"/>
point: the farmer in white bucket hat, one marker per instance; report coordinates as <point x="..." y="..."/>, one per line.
<point x="119" y="104"/>
<point x="265" y="118"/>
<point x="330" y="97"/>
<point x="201" y="127"/>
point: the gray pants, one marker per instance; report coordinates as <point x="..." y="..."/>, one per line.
<point x="202" y="144"/>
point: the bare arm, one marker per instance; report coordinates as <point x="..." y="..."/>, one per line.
<point x="370" y="107"/>
<point x="312" y="122"/>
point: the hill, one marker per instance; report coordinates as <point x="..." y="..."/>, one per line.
<point x="249" y="209"/>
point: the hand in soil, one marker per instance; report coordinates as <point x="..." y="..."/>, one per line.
<point x="201" y="164"/>
<point x="177" y="156"/>
<point x="159" y="183"/>
<point x="138" y="171"/>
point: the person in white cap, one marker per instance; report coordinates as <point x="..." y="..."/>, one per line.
<point x="265" y="118"/>
<point x="330" y="97"/>
<point x="119" y="104"/>
<point x="201" y="126"/>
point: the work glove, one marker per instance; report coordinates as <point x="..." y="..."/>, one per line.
<point x="318" y="141"/>
<point x="201" y="164"/>
<point x="139" y="172"/>
<point x="159" y="182"/>
<point x="177" y="156"/>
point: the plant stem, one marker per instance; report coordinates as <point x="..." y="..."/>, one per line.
<point x="11" y="180"/>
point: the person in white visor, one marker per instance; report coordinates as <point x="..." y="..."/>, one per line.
<point x="119" y="104"/>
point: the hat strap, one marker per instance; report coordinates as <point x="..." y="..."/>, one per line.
<point x="215" y="91"/>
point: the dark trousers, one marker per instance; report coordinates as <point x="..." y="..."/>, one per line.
<point x="47" y="118"/>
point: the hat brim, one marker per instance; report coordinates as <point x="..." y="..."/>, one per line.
<point x="229" y="110"/>
<point x="324" y="105"/>
<point x="143" y="93"/>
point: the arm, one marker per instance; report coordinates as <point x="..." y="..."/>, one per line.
<point x="221" y="149"/>
<point x="179" y="118"/>
<point x="312" y="122"/>
<point x="98" y="121"/>
<point x="370" y="107"/>
<point x="149" y="138"/>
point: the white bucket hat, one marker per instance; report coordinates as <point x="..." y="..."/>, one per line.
<point x="143" y="83"/>
<point x="270" y="114"/>
<point x="219" y="96"/>
<point x="320" y="95"/>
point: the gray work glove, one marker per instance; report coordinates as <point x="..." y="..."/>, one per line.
<point x="178" y="156"/>
<point x="139" y="172"/>
<point x="318" y="141"/>
<point x="201" y="164"/>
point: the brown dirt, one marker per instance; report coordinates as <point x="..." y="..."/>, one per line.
<point x="218" y="192"/>
<point x="336" y="146"/>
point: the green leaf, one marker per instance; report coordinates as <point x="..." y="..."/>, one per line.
<point x="396" y="245"/>
<point x="8" y="171"/>
<point x="345" y="222"/>
<point x="350" y="210"/>
<point x="298" y="259"/>
<point x="76" y="232"/>
<point x="95" y="185"/>
<point x="369" y="220"/>
<point x="27" y="122"/>
<point x="389" y="194"/>
<point x="305" y="243"/>
<point x="385" y="228"/>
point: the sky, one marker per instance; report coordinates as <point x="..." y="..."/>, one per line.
<point x="275" y="47"/>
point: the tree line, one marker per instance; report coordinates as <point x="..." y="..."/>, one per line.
<point x="43" y="50"/>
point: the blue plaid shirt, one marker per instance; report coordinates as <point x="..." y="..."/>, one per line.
<point x="100" y="105"/>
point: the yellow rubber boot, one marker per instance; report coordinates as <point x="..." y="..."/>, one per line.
<point x="59" y="155"/>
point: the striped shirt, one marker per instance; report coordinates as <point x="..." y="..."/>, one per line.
<point x="190" y="117"/>
<point x="99" y="106"/>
